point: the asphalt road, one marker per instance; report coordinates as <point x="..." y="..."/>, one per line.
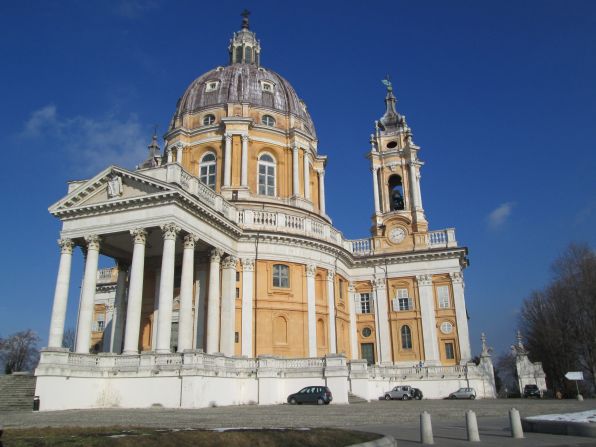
<point x="397" y="418"/>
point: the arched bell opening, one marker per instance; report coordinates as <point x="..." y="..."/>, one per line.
<point x="396" y="193"/>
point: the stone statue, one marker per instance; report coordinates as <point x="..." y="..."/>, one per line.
<point x="387" y="83"/>
<point x="114" y="186"/>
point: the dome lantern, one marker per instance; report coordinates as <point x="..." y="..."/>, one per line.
<point x="244" y="46"/>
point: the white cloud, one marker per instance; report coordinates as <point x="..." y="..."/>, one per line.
<point x="499" y="215"/>
<point x="90" y="144"/>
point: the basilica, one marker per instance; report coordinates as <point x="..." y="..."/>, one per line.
<point x="230" y="274"/>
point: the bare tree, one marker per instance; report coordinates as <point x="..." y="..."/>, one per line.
<point x="559" y="322"/>
<point x="68" y="339"/>
<point x="506" y="372"/>
<point x="19" y="352"/>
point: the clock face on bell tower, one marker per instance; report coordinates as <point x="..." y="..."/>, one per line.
<point x="397" y="234"/>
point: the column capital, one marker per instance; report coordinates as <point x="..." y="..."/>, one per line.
<point x="139" y="235"/>
<point x="229" y="262"/>
<point x="351" y="287"/>
<point x="330" y="275"/>
<point x="169" y="230"/>
<point x="379" y="283"/>
<point x="457" y="277"/>
<point x="248" y="264"/>
<point x="190" y="240"/>
<point x="244" y="138"/>
<point x="216" y="254"/>
<point x="93" y="242"/>
<point x="228" y="136"/>
<point x="66" y="246"/>
<point x="122" y="266"/>
<point x="374" y="168"/>
<point x="424" y="280"/>
<point x="321" y="172"/>
<point x="311" y="269"/>
<point x="295" y="147"/>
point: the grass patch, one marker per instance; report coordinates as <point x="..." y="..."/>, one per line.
<point x="145" y="437"/>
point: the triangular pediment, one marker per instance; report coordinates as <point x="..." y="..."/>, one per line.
<point x="112" y="185"/>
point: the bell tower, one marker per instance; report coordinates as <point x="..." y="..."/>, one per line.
<point x="399" y="223"/>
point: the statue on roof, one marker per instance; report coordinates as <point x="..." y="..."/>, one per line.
<point x="387" y="83"/>
<point x="245" y="15"/>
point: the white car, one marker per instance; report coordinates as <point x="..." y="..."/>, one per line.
<point x="464" y="393"/>
<point x="403" y="392"/>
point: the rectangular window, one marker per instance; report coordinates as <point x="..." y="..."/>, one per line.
<point x="404" y="301"/>
<point x="365" y="303"/>
<point x="341" y="290"/>
<point x="236" y="337"/>
<point x="237" y="292"/>
<point x="281" y="277"/>
<point x="443" y="296"/>
<point x="237" y="276"/>
<point x="449" y="351"/>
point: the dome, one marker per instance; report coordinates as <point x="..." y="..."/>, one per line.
<point x="244" y="83"/>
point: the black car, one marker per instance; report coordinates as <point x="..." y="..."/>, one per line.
<point x="532" y="391"/>
<point x="311" y="395"/>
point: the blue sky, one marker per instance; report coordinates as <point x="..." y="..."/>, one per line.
<point x="501" y="96"/>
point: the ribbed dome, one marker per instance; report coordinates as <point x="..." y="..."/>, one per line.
<point x="244" y="83"/>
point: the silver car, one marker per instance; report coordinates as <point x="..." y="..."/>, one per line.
<point x="403" y="392"/>
<point x="464" y="393"/>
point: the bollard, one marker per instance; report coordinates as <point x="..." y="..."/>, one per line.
<point x="580" y="397"/>
<point x="472" y="426"/>
<point x="515" y="422"/>
<point x="426" y="429"/>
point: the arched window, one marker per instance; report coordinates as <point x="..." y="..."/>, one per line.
<point x="208" y="120"/>
<point x="406" y="337"/>
<point x="207" y="169"/>
<point x="281" y="275"/>
<point x="238" y="55"/>
<point x="268" y="120"/>
<point x="266" y="175"/>
<point x="396" y="193"/>
<point x="321" y="334"/>
<point x="248" y="55"/>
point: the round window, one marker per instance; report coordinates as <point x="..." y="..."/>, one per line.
<point x="392" y="144"/>
<point x="208" y="120"/>
<point x="446" y="327"/>
<point x="366" y="332"/>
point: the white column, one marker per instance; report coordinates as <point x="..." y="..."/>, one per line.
<point x="228" y="308"/>
<point x="118" y="315"/>
<point x="382" y="320"/>
<point x="331" y="309"/>
<point x="185" y="326"/>
<point x="179" y="149"/>
<point x="413" y="186"/>
<point x="248" y="270"/>
<point x="88" y="295"/>
<point x="311" y="270"/>
<point x="228" y="160"/>
<point x="213" y="303"/>
<point x="244" y="172"/>
<point x="352" y="310"/>
<point x="457" y="281"/>
<point x="374" y="171"/>
<point x="135" y="293"/>
<point x="322" y="190"/>
<point x="200" y="308"/>
<point x="295" y="184"/>
<point x="418" y="176"/>
<point x="61" y="294"/>
<point x="156" y="284"/>
<point x="166" y="288"/>
<point x="429" y="323"/>
<point x="306" y="177"/>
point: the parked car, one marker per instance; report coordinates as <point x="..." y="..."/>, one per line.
<point x="532" y="391"/>
<point x="311" y="395"/>
<point x="403" y="392"/>
<point x="463" y="393"/>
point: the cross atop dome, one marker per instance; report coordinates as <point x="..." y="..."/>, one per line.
<point x="244" y="46"/>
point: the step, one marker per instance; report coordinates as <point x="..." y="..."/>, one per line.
<point x="353" y="399"/>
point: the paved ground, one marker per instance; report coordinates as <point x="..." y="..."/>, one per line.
<point x="397" y="418"/>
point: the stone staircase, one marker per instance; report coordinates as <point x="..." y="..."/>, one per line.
<point x="16" y="391"/>
<point x="353" y="399"/>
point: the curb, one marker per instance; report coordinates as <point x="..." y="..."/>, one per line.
<point x="387" y="441"/>
<point x="560" y="427"/>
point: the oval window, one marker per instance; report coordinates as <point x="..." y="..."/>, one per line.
<point x="366" y="332"/>
<point x="208" y="120"/>
<point x="268" y="120"/>
<point x="446" y="327"/>
<point x="392" y="144"/>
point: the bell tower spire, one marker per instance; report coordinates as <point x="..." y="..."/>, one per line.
<point x="399" y="222"/>
<point x="244" y="46"/>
